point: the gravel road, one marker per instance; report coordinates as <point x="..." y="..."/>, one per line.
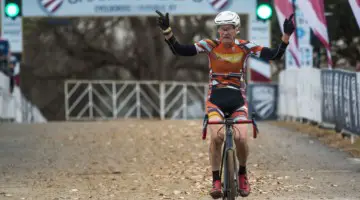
<point x="149" y="159"/>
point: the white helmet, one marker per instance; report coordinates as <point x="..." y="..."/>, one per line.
<point x="227" y="17"/>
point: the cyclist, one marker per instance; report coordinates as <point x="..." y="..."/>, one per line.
<point x="226" y="94"/>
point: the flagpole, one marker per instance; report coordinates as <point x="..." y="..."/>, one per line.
<point x="295" y="32"/>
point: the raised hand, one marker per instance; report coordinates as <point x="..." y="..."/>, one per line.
<point x="163" y="20"/>
<point x="289" y="26"/>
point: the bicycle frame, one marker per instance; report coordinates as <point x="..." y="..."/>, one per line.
<point x="229" y="146"/>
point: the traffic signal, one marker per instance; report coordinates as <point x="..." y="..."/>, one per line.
<point x="13" y="8"/>
<point x="264" y="10"/>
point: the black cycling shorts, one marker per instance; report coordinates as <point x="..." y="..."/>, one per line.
<point x="227" y="100"/>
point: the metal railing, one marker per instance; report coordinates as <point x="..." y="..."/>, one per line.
<point x="101" y="99"/>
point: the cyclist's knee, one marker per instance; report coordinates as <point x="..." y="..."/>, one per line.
<point x="217" y="133"/>
<point x="240" y="132"/>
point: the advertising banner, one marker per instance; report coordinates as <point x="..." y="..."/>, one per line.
<point x="262" y="99"/>
<point x="131" y="7"/>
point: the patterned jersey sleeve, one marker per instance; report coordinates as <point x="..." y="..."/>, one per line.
<point x="253" y="49"/>
<point x="205" y="45"/>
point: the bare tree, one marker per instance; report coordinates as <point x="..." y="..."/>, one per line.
<point x="103" y="48"/>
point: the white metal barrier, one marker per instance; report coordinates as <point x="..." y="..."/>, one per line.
<point x="90" y="100"/>
<point x="328" y="97"/>
<point x="15" y="107"/>
<point x="300" y="93"/>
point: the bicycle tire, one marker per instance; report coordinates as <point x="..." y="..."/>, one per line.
<point x="231" y="190"/>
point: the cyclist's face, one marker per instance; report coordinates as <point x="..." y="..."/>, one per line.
<point x="227" y="33"/>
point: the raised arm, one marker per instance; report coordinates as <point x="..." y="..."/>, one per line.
<point x="175" y="46"/>
<point x="276" y="53"/>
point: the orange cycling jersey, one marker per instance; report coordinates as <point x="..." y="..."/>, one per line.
<point x="227" y="60"/>
<point x="224" y="61"/>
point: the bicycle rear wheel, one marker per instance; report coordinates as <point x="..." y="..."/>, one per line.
<point x="231" y="189"/>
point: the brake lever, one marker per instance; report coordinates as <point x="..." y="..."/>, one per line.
<point x="205" y="123"/>
<point x="256" y="127"/>
<point x="254" y="122"/>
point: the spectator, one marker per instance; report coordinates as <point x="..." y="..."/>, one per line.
<point x="13" y="72"/>
<point x="16" y="71"/>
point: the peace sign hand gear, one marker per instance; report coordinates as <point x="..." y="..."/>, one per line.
<point x="289" y="26"/>
<point x="163" y="22"/>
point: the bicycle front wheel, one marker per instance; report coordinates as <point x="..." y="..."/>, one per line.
<point x="231" y="189"/>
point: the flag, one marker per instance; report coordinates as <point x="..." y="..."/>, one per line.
<point x="218" y="4"/>
<point x="355" y="6"/>
<point x="314" y="13"/>
<point x="51" y="6"/>
<point x="284" y="9"/>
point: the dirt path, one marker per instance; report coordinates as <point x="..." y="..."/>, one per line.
<point x="161" y="160"/>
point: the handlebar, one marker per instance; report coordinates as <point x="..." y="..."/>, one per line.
<point x="236" y="75"/>
<point x="230" y="121"/>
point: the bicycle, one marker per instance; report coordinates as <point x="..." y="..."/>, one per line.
<point x="228" y="161"/>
